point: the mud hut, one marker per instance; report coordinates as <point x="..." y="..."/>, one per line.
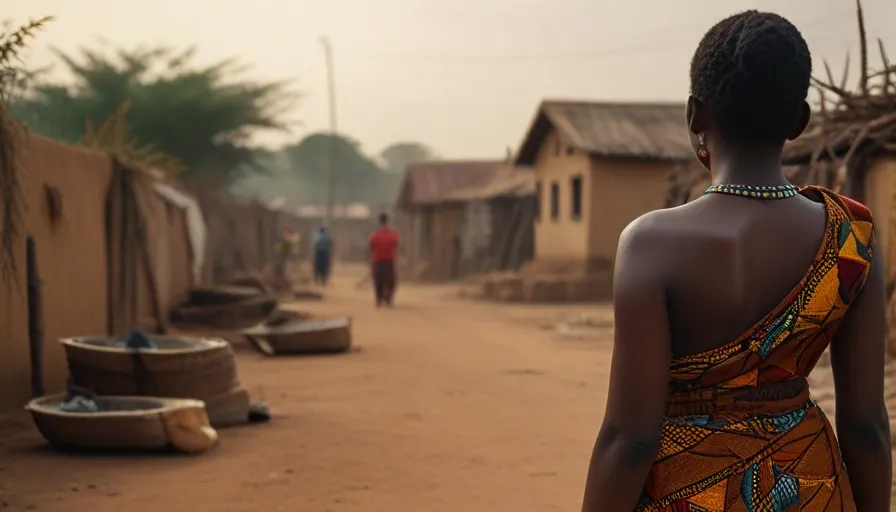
<point x="598" y="167"/>
<point x="498" y="230"/>
<point x="460" y="218"/>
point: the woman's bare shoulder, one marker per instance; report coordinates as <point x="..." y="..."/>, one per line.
<point x="664" y="224"/>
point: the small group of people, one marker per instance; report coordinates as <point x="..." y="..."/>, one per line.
<point x="288" y="249"/>
<point x="382" y="247"/>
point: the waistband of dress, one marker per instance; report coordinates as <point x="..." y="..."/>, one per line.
<point x="773" y="398"/>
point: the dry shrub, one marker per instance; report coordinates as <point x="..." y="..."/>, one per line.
<point x="12" y="136"/>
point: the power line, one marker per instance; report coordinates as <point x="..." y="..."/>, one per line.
<point x="617" y="51"/>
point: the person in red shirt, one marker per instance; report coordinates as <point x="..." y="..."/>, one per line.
<point x="383" y="246"/>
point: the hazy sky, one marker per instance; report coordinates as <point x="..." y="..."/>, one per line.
<point x="463" y="76"/>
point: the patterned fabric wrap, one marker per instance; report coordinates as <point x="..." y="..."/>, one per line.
<point x="740" y="431"/>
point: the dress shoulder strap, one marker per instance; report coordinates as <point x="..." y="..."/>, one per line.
<point x="854" y="210"/>
<point x="857" y="210"/>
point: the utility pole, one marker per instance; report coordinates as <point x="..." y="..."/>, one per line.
<point x="331" y="93"/>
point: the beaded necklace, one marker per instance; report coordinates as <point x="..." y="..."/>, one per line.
<point x="776" y="192"/>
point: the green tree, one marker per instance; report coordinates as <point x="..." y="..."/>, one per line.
<point x="398" y="156"/>
<point x="203" y="116"/>
<point x="278" y="181"/>
<point x="301" y="172"/>
<point x="359" y="178"/>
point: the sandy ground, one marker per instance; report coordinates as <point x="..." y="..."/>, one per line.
<point x="446" y="405"/>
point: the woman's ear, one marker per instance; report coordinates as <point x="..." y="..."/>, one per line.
<point x="695" y="116"/>
<point x="802" y="122"/>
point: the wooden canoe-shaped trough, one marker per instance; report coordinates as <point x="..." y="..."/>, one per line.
<point x="222" y="295"/>
<point x="233" y="315"/>
<point x="302" y="336"/>
<point x="298" y="287"/>
<point x="126" y="423"/>
<point x="307" y="293"/>
<point x="251" y="280"/>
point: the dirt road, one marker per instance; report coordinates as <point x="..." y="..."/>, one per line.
<point x="447" y="405"/>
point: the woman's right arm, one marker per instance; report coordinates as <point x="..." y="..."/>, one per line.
<point x="863" y="428"/>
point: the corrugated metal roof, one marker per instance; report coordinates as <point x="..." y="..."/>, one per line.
<point x="436" y="182"/>
<point x="640" y="130"/>
<point x="509" y="182"/>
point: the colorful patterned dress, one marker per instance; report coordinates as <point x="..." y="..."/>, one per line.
<point x="740" y="432"/>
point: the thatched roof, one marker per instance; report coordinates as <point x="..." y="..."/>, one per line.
<point x="430" y="183"/>
<point x="637" y="130"/>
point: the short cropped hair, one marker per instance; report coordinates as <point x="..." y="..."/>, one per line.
<point x="753" y="70"/>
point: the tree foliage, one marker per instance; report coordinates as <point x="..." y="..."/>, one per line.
<point x="302" y="171"/>
<point x="112" y="137"/>
<point x="398" y="156"/>
<point x="203" y="116"/>
<point x="358" y="177"/>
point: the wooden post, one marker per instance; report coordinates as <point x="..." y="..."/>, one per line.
<point x="334" y="146"/>
<point x="35" y="320"/>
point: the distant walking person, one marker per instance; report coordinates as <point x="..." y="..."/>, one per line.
<point x="322" y="256"/>
<point x="286" y="250"/>
<point x="383" y="246"/>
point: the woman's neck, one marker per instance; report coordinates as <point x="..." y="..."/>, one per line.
<point x="755" y="167"/>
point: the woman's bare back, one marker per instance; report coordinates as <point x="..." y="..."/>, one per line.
<point x="715" y="328"/>
<point x="731" y="260"/>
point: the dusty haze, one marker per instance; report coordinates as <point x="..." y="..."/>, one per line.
<point x="462" y="76"/>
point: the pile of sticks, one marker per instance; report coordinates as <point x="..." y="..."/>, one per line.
<point x="854" y="124"/>
<point x="850" y="126"/>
